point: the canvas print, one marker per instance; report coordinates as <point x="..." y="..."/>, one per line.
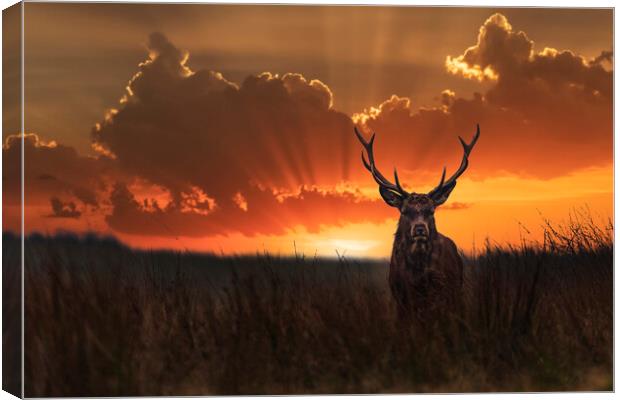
<point x="289" y="200"/>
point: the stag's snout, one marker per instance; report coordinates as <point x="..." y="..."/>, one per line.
<point x="420" y="236"/>
<point x="419" y="231"/>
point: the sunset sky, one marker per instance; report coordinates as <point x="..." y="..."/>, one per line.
<point x="229" y="128"/>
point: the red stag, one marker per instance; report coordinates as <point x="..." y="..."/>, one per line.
<point x="426" y="271"/>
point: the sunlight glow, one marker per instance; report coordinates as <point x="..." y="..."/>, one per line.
<point x="359" y="247"/>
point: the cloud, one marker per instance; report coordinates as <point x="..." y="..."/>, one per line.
<point x="190" y="153"/>
<point x="52" y="170"/>
<point x="180" y="128"/>
<point x="455" y="206"/>
<point x="62" y="209"/>
<point x="544" y="114"/>
<point x="548" y="84"/>
<point x="257" y="211"/>
<point x="498" y="51"/>
<point x="202" y="156"/>
<point x="506" y="55"/>
<point x="262" y="211"/>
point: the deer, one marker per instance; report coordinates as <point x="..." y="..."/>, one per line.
<point x="426" y="270"/>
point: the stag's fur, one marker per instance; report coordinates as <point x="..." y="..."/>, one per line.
<point x="427" y="285"/>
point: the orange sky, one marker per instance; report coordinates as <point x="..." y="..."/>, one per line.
<point x="186" y="136"/>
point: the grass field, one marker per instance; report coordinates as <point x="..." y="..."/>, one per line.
<point x="105" y="320"/>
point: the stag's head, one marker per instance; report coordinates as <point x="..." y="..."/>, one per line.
<point x="417" y="210"/>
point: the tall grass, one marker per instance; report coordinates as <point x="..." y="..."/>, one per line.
<point x="11" y="316"/>
<point x="104" y="320"/>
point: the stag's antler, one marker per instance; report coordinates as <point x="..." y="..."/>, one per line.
<point x="370" y="166"/>
<point x="450" y="183"/>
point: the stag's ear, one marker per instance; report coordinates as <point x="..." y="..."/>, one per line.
<point x="442" y="196"/>
<point x="391" y="198"/>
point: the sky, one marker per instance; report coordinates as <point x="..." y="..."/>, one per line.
<point x="229" y="128"/>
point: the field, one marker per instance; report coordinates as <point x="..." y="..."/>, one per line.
<point x="105" y="320"/>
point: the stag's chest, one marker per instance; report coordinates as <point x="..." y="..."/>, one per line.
<point x="417" y="270"/>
